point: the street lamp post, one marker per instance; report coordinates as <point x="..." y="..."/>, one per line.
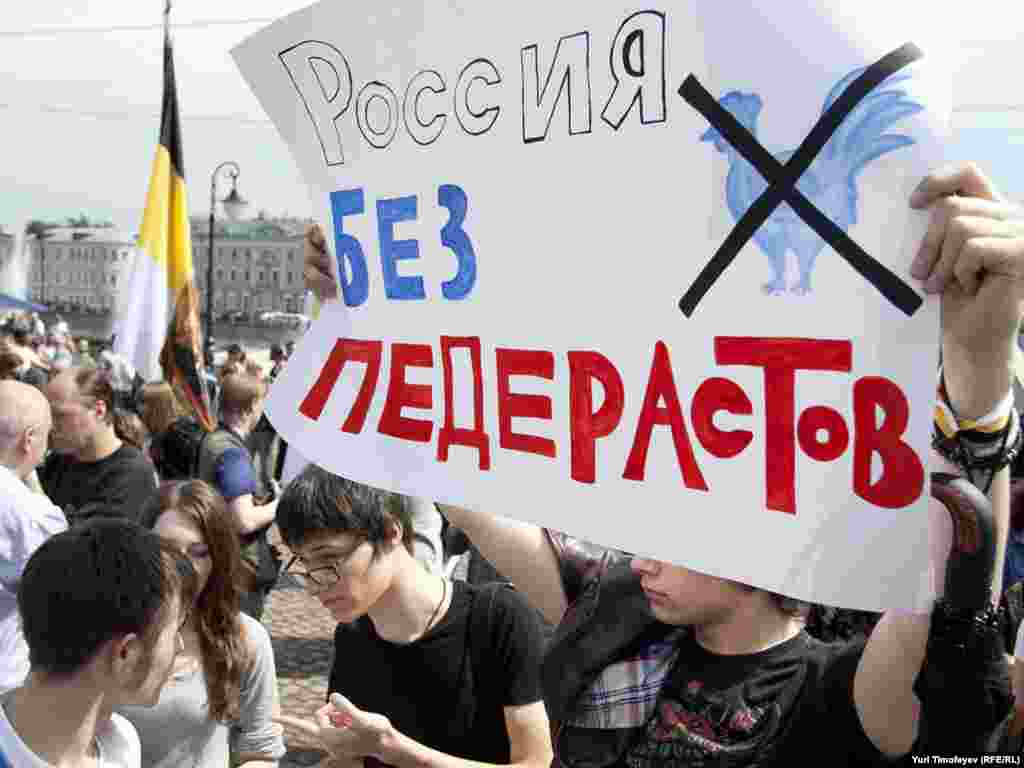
<point x="42" y="270"/>
<point x="234" y="206"/>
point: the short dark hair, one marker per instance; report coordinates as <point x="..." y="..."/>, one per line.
<point x="318" y="502"/>
<point x="96" y="581"/>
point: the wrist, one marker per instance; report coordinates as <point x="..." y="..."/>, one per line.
<point x="976" y="381"/>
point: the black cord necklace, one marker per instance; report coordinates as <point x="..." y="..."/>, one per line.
<point x="444" y="594"/>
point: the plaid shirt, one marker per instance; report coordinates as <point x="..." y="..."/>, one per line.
<point x="624" y="695"/>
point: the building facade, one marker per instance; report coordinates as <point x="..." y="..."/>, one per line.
<point x="80" y="269"/>
<point x="257" y="268"/>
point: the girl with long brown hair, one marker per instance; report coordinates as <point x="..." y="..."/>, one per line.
<point x="222" y="695"/>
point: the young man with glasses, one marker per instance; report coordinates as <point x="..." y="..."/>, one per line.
<point x="429" y="672"/>
<point x="102" y="606"/>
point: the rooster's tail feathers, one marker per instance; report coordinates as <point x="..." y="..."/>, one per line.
<point x="862" y="136"/>
<point x="842" y="85"/>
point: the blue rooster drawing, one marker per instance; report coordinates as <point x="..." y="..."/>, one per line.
<point x="830" y="183"/>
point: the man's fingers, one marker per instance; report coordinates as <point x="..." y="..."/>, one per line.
<point x="965" y="179"/>
<point x="958" y="259"/>
<point x="317" y="265"/>
<point x="323" y="286"/>
<point x="943" y="214"/>
<point x="303" y="726"/>
<point x="315" y="235"/>
<point x="931" y="245"/>
<point x="345" y="712"/>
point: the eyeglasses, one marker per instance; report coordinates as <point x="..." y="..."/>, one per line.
<point x="321" y="577"/>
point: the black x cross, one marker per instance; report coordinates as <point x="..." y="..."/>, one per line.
<point x="782" y="184"/>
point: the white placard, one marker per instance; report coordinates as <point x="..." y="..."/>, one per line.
<point x="524" y="198"/>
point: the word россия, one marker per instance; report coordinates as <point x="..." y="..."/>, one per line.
<point x="821" y="432"/>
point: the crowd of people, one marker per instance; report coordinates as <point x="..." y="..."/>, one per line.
<point x="135" y="565"/>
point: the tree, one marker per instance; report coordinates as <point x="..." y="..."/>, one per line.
<point x="39" y="228"/>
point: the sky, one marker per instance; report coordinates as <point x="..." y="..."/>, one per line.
<point x="80" y="103"/>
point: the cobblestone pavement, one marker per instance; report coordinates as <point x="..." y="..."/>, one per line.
<point x="302" y="633"/>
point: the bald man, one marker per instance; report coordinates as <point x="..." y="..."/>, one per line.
<point x="27" y="519"/>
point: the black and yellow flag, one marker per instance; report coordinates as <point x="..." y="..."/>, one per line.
<point x="165" y="242"/>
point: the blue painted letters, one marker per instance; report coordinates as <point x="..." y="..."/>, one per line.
<point x="355" y="284"/>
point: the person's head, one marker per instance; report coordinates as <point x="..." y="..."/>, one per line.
<point x="289" y="348"/>
<point x="209" y="353"/>
<point x="349" y="536"/>
<point x="680" y="596"/>
<point x="193" y="518"/>
<point x="10" y="362"/>
<point x="82" y="400"/>
<point x="241" y="401"/>
<point x="236" y="354"/>
<point x="20" y="335"/>
<point x="25" y="425"/>
<point x="83" y="346"/>
<point x="277" y="353"/>
<point x="254" y="369"/>
<point x="130" y="429"/>
<point x="101" y="606"/>
<point x="160" y="406"/>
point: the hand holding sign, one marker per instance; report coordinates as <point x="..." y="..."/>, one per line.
<point x="974" y="255"/>
<point x="317" y="265"/>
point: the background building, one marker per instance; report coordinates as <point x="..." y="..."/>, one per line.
<point x="257" y="266"/>
<point x="80" y="269"/>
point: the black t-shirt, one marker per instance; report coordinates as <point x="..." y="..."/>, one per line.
<point x="419" y="686"/>
<point x="116" y="486"/>
<point x="763" y="709"/>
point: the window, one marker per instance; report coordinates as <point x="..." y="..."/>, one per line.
<point x="113" y="280"/>
<point x="234" y="255"/>
<point x="220" y="274"/>
<point x="290" y="276"/>
<point x="248" y="276"/>
<point x="234" y="275"/>
<point x="245" y="302"/>
<point x="248" y="255"/>
<point x="259" y="276"/>
<point x="277" y="277"/>
<point x="291" y="254"/>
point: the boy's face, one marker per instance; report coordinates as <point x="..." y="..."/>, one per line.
<point x="153" y="666"/>
<point x="680" y="596"/>
<point x="351" y="580"/>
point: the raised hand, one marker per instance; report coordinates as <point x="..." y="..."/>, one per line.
<point x="973" y="254"/>
<point x="317" y="265"/>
